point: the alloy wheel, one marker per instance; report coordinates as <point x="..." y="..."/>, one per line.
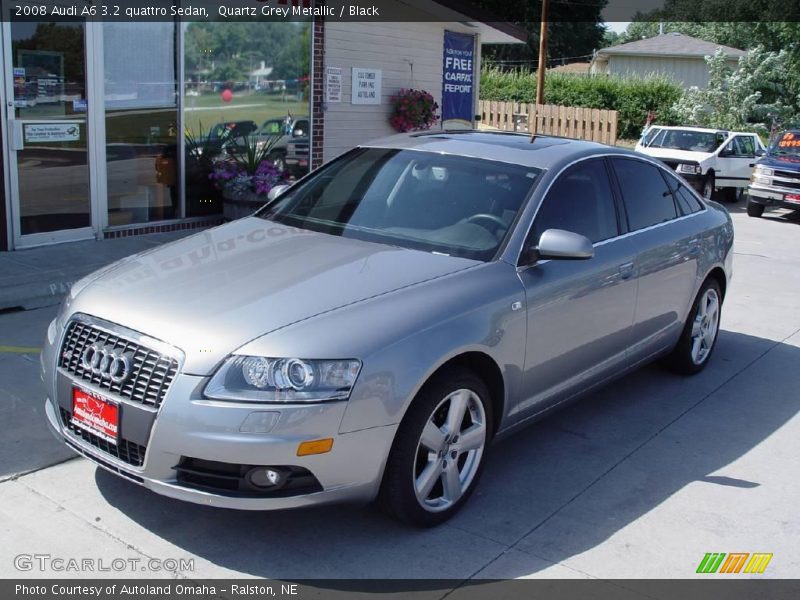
<point x="449" y="451"/>
<point x="705" y="326"/>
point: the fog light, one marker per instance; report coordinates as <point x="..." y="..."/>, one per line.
<point x="264" y="477"/>
<point x="315" y="447"/>
<point x="259" y="422"/>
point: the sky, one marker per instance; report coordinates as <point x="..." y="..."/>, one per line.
<point x="618" y="26"/>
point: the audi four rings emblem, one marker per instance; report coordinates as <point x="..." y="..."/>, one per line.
<point x="107" y="363"/>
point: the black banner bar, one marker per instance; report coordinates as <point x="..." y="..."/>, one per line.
<point x="516" y="12"/>
<point x="416" y="589"/>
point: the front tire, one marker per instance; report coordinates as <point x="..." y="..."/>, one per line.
<point x="278" y="159"/>
<point x="708" y="186"/>
<point x="438" y="453"/>
<point x="754" y="209"/>
<point x="699" y="336"/>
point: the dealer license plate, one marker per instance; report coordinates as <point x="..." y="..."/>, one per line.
<point x="95" y="414"/>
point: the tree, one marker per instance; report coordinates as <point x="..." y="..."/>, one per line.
<point x="575" y="31"/>
<point x="746" y="25"/>
<point x="742" y="98"/>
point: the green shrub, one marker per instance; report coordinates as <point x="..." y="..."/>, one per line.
<point x="632" y="97"/>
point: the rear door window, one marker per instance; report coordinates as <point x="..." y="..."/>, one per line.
<point x="687" y="201"/>
<point x="648" y="199"/>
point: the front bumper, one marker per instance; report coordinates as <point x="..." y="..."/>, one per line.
<point x="694" y="180"/>
<point x="187" y="426"/>
<point x="771" y="197"/>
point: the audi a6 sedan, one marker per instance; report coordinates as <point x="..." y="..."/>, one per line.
<point x="369" y="331"/>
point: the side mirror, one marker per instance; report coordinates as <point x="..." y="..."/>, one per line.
<point x="760" y="152"/>
<point x="277" y="191"/>
<point x="558" y="244"/>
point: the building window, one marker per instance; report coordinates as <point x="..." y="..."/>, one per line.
<point x="141" y="122"/>
<point x="244" y="84"/>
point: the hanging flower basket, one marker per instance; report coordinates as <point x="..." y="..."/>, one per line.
<point x="414" y="110"/>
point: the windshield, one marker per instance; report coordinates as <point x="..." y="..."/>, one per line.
<point x="787" y="144"/>
<point x="689" y="140"/>
<point x="433" y="202"/>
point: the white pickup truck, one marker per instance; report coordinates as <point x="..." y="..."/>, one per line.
<point x="709" y="159"/>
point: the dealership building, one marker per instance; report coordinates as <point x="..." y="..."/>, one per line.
<point x="111" y="128"/>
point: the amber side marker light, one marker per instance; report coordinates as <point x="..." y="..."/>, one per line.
<point x="315" y="447"/>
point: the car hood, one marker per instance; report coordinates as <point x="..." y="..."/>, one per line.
<point x="210" y="293"/>
<point x="786" y="162"/>
<point x="680" y="155"/>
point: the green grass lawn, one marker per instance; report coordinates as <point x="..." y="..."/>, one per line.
<point x="209" y="109"/>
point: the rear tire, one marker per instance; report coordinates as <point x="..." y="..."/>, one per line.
<point x="731" y="194"/>
<point x="438" y="456"/>
<point x="754" y="209"/>
<point x="699" y="336"/>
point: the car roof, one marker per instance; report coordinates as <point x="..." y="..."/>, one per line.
<point x="544" y="152"/>
<point x="703" y="129"/>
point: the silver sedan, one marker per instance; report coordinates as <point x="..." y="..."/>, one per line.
<point x="374" y="327"/>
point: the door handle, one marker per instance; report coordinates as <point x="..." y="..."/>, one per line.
<point x="17" y="140"/>
<point x="626" y="270"/>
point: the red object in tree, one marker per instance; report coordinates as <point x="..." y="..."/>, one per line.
<point x="227" y="95"/>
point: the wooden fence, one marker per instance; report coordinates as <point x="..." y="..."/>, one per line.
<point x="568" y="121"/>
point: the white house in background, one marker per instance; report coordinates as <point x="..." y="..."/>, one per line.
<point x="680" y="56"/>
<point x="258" y="78"/>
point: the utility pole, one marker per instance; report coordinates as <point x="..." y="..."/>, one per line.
<point x="542" y="68"/>
<point x="542" y="54"/>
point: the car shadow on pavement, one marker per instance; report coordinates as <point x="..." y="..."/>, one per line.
<point x="553" y="491"/>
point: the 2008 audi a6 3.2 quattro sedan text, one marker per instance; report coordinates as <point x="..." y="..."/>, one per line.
<point x="368" y="332"/>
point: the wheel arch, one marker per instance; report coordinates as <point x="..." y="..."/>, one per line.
<point x="718" y="274"/>
<point x="485" y="367"/>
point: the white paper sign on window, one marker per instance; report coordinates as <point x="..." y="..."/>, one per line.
<point x="366" y="86"/>
<point x="52" y="132"/>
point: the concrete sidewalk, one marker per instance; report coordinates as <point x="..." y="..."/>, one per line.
<point x="41" y="276"/>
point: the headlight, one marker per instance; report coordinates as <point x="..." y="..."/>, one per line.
<point x="262" y="379"/>
<point x="689" y="168"/>
<point x="765" y="171"/>
<point x="762" y="180"/>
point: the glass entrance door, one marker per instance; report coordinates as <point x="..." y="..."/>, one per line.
<point x="47" y="128"/>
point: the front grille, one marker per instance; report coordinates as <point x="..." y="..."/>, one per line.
<point x="151" y="372"/>
<point x="792" y="185"/>
<point x="126" y="451"/>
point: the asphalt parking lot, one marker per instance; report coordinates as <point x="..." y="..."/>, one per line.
<point x="637" y="481"/>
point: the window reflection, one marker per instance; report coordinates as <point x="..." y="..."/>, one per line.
<point x="141" y="122"/>
<point x="245" y="83"/>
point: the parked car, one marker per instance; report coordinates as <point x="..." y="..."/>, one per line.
<point x="371" y="330"/>
<point x="224" y="134"/>
<point x="709" y="159"/>
<point x="297" y="160"/>
<point x="278" y="133"/>
<point x="776" y="177"/>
